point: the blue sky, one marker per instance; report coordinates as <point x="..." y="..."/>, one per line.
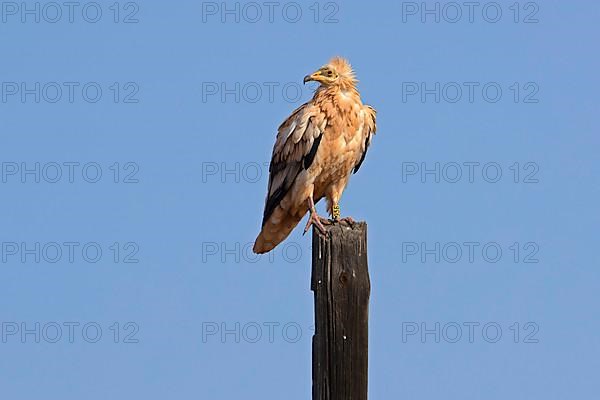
<point x="133" y="153"/>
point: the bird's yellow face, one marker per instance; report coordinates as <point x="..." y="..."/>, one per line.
<point x="326" y="76"/>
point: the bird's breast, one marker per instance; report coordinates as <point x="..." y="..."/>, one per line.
<point x="338" y="153"/>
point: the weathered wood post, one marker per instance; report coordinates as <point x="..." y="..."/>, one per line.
<point x="340" y="282"/>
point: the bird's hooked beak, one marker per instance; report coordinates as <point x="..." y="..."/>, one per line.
<point x="315" y="76"/>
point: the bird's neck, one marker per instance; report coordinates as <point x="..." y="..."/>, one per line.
<point x="338" y="93"/>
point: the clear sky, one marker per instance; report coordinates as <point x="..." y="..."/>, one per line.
<point x="134" y="139"/>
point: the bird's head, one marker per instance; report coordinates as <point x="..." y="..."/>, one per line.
<point x="338" y="72"/>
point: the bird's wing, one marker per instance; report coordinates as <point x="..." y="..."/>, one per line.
<point x="369" y="127"/>
<point x="297" y="142"/>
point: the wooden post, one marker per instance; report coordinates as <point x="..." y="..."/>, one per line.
<point x="340" y="282"/>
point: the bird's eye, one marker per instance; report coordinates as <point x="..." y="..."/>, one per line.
<point x="329" y="73"/>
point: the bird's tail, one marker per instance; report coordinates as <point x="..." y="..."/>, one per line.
<point x="276" y="229"/>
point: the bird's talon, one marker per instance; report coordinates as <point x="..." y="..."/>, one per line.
<point x="325" y="221"/>
<point x="349" y="220"/>
<point x="317" y="221"/>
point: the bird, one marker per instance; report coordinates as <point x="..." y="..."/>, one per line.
<point x="317" y="148"/>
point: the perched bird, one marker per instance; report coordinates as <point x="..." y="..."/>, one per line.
<point x="316" y="150"/>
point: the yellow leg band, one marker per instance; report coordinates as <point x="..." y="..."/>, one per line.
<point x="336" y="211"/>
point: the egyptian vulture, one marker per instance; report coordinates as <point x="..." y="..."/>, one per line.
<point x="317" y="148"/>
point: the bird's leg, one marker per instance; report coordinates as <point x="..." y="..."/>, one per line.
<point x="335" y="213"/>
<point x="314" y="218"/>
